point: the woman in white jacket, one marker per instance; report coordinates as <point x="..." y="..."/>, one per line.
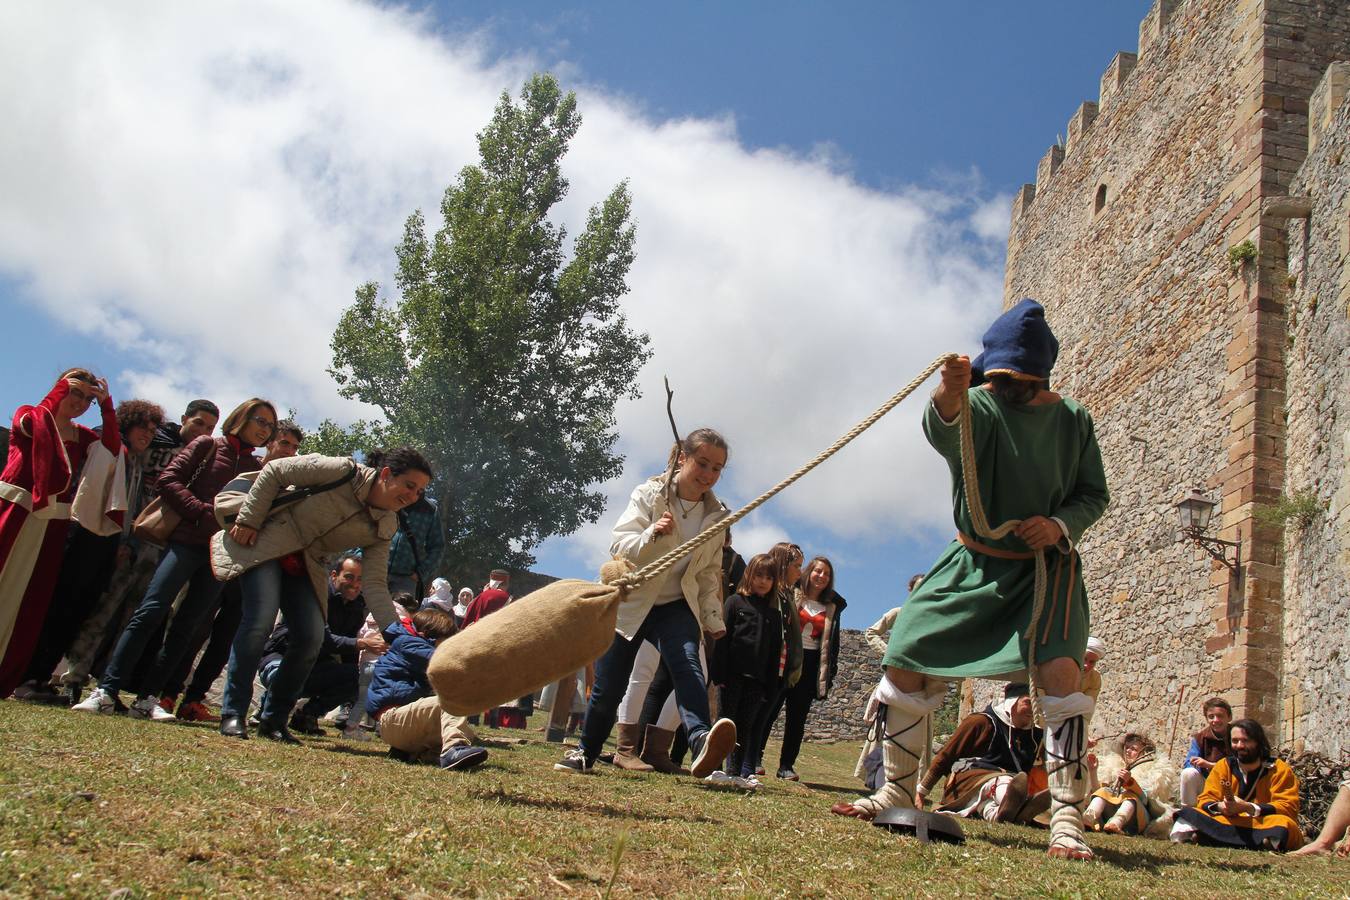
<point x="672" y="611"/>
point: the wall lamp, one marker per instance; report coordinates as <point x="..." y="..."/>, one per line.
<point x="1196" y="510"/>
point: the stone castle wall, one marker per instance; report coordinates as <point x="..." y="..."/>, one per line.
<point x="840" y="716"/>
<point x="1316" y="686"/>
<point x="1181" y="359"/>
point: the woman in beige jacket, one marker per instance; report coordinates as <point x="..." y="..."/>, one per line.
<point x="279" y="561"/>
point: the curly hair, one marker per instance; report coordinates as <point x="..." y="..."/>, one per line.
<point x="138" y="414"/>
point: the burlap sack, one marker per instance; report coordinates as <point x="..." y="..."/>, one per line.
<point x="534" y="641"/>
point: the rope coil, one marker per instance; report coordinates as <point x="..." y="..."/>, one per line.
<point x="980" y="521"/>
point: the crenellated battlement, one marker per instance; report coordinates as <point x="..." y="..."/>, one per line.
<point x="1326" y="99"/>
<point x="1155" y="23"/>
<point x="1114" y="82"/>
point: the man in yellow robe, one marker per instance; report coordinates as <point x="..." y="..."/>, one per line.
<point x="1250" y="800"/>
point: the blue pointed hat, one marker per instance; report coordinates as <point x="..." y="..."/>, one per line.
<point x="1018" y="343"/>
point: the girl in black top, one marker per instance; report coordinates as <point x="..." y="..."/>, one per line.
<point x="749" y="658"/>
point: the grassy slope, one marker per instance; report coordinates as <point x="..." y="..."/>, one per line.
<point x="89" y="805"/>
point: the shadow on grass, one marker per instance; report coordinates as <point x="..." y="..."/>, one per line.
<point x="835" y="788"/>
<point x="1141" y="856"/>
<point x="370" y="750"/>
<point x="498" y="795"/>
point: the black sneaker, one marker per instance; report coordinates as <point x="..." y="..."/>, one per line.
<point x="788" y="775"/>
<point x="463" y="757"/>
<point x="47" y="695"/>
<point x="575" y="761"/>
<point x="276" y="732"/>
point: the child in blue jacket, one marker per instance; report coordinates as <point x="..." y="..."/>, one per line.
<point x="408" y="715"/>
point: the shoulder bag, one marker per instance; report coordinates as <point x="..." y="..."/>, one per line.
<point x="158" y="520"/>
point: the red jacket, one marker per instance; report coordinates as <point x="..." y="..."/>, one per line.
<point x="489" y="601"/>
<point x="196" y="504"/>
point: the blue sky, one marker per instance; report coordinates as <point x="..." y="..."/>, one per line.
<point x="833" y="180"/>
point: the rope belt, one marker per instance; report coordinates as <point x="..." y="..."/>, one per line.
<point x="971" y="483"/>
<point x="975" y="546"/>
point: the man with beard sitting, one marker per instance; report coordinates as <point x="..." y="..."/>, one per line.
<point x="1250" y="799"/>
<point x="986" y="762"/>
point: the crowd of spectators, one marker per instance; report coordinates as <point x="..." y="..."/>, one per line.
<point x="154" y="555"/>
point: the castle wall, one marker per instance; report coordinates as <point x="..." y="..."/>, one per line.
<point x="840" y="716"/>
<point x="1316" y="688"/>
<point x="1180" y="358"/>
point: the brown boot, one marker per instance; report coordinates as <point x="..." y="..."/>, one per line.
<point x="656" y="751"/>
<point x="624" y="757"/>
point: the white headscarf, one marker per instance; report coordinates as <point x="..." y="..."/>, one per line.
<point x="1095" y="645"/>
<point x="462" y="604"/>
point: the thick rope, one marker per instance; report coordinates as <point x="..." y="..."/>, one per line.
<point x="969" y="474"/>
<point x="980" y="522"/>
<point x="658" y="566"/>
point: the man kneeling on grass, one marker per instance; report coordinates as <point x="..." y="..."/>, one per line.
<point x="987" y="761"/>
<point x="408" y="714"/>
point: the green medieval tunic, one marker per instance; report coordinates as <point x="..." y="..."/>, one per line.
<point x="968" y="616"/>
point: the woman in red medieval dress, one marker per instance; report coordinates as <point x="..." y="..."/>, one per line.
<point x="46" y="450"/>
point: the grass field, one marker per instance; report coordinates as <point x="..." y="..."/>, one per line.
<point x="95" y="806"/>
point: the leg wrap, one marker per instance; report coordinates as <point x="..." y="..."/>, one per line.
<point x="1065" y="745"/>
<point x="903" y="735"/>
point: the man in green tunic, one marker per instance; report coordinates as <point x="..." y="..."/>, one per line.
<point x="1037" y="460"/>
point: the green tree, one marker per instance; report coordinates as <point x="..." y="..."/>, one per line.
<point x="500" y="358"/>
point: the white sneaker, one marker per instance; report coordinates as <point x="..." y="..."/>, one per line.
<point x="98" y="701"/>
<point x="149" y="708"/>
<point x="749" y="784"/>
<point x="722" y="780"/>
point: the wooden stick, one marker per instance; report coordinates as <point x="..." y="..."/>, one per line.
<point x="670" y="470"/>
<point x="1176" y="716"/>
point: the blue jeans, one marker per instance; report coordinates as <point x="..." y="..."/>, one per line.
<point x="267" y="589"/>
<point x="180" y="565"/>
<point x="671" y="627"/>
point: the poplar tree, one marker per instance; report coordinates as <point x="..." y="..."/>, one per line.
<point x="500" y="357"/>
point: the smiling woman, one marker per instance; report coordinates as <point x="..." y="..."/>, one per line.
<point x="279" y="556"/>
<point x="672" y="611"/>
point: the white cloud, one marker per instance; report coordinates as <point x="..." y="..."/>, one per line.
<point x="208" y="184"/>
<point x="992" y="218"/>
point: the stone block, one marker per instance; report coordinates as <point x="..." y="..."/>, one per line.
<point x="1113" y="79"/>
<point x="1080" y="122"/>
<point x="1047" y="167"/>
